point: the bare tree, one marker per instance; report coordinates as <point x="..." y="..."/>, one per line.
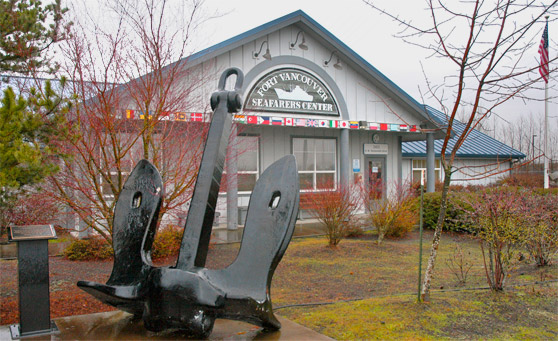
<point x="486" y="42"/>
<point x="135" y="93"/>
<point x="526" y="134"/>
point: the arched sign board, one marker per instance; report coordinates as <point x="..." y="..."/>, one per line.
<point x="291" y="91"/>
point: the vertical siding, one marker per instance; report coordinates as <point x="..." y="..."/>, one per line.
<point x="365" y="102"/>
<point x="471" y="171"/>
<point x="481" y="171"/>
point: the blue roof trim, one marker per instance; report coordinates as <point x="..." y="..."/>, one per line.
<point x="477" y="144"/>
<point x="303" y="17"/>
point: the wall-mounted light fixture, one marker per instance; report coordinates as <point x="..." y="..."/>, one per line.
<point x="266" y="55"/>
<point x="302" y="45"/>
<point x="337" y="65"/>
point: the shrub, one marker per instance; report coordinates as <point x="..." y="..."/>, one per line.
<point x="335" y="208"/>
<point x="541" y="226"/>
<point x="167" y="242"/>
<point x="406" y="221"/>
<point x="354" y="230"/>
<point x="525" y="180"/>
<point x="394" y="216"/>
<point x="545" y="191"/>
<point x="459" y="265"/>
<point x="88" y="249"/>
<point x="456" y="211"/>
<point x="497" y="216"/>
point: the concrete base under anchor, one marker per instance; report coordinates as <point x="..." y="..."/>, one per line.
<point x="118" y="325"/>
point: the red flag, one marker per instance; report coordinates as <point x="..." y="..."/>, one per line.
<point x="252" y="119"/>
<point x="196" y="117"/>
<point x="543" y="51"/>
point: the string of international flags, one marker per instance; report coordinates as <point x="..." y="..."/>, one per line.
<point x="282" y="121"/>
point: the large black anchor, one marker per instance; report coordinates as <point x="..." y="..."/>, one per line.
<point x="188" y="297"/>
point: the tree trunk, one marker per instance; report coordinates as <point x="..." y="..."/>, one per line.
<point x="425" y="294"/>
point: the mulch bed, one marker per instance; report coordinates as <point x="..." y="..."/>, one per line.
<point x="66" y="298"/>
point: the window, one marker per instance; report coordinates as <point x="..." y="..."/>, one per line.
<point x="248" y="162"/>
<point x="420" y="165"/>
<point x="316" y="161"/>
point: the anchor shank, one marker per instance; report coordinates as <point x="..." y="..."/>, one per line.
<point x="197" y="231"/>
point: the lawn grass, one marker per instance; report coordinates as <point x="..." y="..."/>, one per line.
<point x="450" y="315"/>
<point x="385" y="278"/>
<point x="379" y="280"/>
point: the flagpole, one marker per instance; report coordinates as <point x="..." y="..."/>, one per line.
<point x="546" y="168"/>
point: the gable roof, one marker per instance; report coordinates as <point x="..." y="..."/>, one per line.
<point x="309" y="25"/>
<point x="477" y="144"/>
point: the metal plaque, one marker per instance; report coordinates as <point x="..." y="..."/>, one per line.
<point x="375" y="149"/>
<point x="32" y="232"/>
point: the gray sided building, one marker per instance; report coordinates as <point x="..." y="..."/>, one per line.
<point x="481" y="159"/>
<point x="307" y="93"/>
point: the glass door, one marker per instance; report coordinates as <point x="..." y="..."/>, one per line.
<point x="375" y="177"/>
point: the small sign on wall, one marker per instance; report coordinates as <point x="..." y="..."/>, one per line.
<point x="356" y="165"/>
<point x="375" y="149"/>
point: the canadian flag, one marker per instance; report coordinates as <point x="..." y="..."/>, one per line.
<point x="288" y="121"/>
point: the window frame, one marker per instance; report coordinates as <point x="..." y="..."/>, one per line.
<point x="437" y="169"/>
<point x="257" y="171"/>
<point x="315" y="172"/>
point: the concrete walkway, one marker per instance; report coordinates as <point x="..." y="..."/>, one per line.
<point x="118" y="325"/>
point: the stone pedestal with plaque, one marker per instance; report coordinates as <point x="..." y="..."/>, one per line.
<point x="33" y="279"/>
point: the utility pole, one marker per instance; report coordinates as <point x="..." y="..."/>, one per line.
<point x="533" y="150"/>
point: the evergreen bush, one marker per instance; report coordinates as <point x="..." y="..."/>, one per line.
<point x="456" y="220"/>
<point x="88" y="249"/>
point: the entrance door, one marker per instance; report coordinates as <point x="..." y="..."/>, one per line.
<point x="375" y="177"/>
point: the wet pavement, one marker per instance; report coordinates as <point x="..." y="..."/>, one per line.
<point x="118" y="325"/>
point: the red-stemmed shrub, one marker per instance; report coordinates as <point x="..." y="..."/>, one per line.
<point x="335" y="207"/>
